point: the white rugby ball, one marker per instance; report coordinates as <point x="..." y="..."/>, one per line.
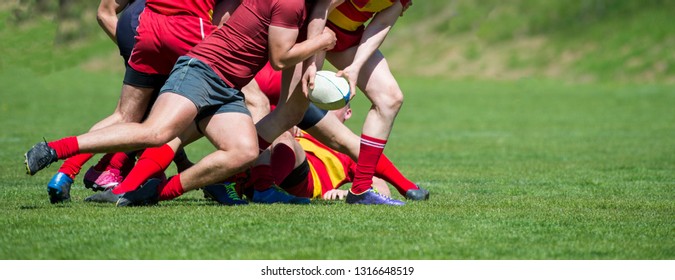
<point x="330" y="91"/>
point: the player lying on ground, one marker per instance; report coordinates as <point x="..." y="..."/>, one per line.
<point x="265" y="90"/>
<point x="307" y="168"/>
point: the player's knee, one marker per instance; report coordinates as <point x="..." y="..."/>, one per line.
<point x="391" y="101"/>
<point x="249" y="152"/>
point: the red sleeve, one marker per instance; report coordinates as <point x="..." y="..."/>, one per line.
<point x="288" y="13"/>
<point x="349" y="164"/>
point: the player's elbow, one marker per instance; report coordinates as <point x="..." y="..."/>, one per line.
<point x="103" y="15"/>
<point x="277" y="64"/>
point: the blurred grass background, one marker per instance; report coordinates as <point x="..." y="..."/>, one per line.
<point x="627" y="41"/>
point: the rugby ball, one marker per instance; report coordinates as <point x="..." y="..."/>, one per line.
<point x="330" y="91"/>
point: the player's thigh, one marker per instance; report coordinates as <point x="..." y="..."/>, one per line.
<point x="375" y="78"/>
<point x="232" y="131"/>
<point x="170" y="115"/>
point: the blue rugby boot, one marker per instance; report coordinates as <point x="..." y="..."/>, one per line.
<point x="275" y="194"/>
<point x="371" y="197"/>
<point x="39" y="157"/>
<point x="224" y="194"/>
<point x="146" y="194"/>
<point x="59" y="188"/>
<point x="418" y="194"/>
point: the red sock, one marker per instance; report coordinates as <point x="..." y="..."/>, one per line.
<point x="152" y="161"/>
<point x="172" y="189"/>
<point x="386" y="170"/>
<point x="261" y="177"/>
<point x="371" y="149"/>
<point x="283" y="160"/>
<point x="65" y="147"/>
<point x="73" y="165"/>
<point x="117" y="161"/>
<point x="128" y="164"/>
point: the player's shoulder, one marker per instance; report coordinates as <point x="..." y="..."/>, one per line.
<point x="290" y="4"/>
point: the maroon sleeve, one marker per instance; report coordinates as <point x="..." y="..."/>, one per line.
<point x="288" y="13"/>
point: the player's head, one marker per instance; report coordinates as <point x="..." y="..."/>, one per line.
<point x="343" y="114"/>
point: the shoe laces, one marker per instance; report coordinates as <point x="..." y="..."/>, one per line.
<point x="42" y="160"/>
<point x="380" y="194"/>
<point x="231" y="192"/>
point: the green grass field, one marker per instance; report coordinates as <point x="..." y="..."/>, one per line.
<point x="527" y="169"/>
<point x="544" y="130"/>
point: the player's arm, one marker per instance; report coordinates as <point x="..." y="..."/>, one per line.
<point x="223" y="11"/>
<point x="106" y="15"/>
<point x="373" y="36"/>
<point x="285" y="52"/>
<point x="315" y="26"/>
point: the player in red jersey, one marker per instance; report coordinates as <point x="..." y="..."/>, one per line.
<point x="364" y="66"/>
<point x="168" y="29"/>
<point x="204" y="86"/>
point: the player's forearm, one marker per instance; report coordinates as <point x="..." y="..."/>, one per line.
<point x="319" y="16"/>
<point x="317" y="22"/>
<point x="300" y="52"/>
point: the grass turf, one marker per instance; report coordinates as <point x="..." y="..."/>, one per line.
<point x="528" y="169"/>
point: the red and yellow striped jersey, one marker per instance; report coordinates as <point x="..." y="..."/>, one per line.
<point x="328" y="168"/>
<point x="352" y="14"/>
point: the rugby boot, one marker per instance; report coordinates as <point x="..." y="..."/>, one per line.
<point x="146" y="194"/>
<point x="224" y="194"/>
<point x="98" y="181"/>
<point x="275" y="194"/>
<point x="417" y="194"/>
<point x="106" y="196"/>
<point x="59" y="188"/>
<point x="39" y="157"/>
<point x="371" y="197"/>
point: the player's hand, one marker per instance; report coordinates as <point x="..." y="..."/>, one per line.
<point x="308" y="79"/>
<point x="351" y="74"/>
<point x="329" y="39"/>
<point x="335" y="195"/>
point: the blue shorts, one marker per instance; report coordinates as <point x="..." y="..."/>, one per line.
<point x="196" y="81"/>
